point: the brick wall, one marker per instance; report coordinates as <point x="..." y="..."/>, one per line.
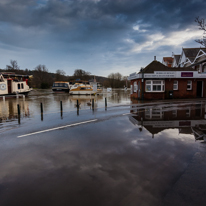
<point x="181" y="93"/>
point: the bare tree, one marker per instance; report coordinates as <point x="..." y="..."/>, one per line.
<point x="41" y="78"/>
<point x="13" y="67"/>
<point x="115" y="80"/>
<point x="81" y="74"/>
<point x="202" y="26"/>
<point x="60" y="75"/>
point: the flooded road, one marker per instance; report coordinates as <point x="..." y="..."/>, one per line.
<point x="130" y="153"/>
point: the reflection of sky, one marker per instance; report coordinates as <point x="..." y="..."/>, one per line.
<point x="105" y="163"/>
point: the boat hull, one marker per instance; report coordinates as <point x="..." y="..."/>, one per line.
<point x="82" y="92"/>
<point x="14" y="94"/>
<point x="60" y="90"/>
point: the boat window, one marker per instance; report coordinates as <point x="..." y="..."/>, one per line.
<point x="65" y="85"/>
<point x="61" y="84"/>
<point x="83" y="88"/>
<point x="22" y="85"/>
<point x="18" y="86"/>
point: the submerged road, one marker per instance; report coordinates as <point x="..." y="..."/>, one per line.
<point x="101" y="157"/>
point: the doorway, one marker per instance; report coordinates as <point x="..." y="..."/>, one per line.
<point x="199" y="89"/>
<point x="9" y="86"/>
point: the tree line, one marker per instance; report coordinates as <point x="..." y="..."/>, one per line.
<point x="43" y="79"/>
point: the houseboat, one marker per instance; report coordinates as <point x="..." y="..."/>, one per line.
<point x="13" y="84"/>
<point x="61" y="86"/>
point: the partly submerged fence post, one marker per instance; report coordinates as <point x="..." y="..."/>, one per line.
<point x="61" y="108"/>
<point x="19" y="113"/>
<point x="92" y="103"/>
<point x="41" y="111"/>
<point x="105" y="102"/>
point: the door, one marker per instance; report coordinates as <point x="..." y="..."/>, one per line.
<point x="138" y="89"/>
<point x="9" y="86"/>
<point x="199" y="89"/>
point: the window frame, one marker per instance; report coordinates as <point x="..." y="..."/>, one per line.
<point x="189" y="83"/>
<point x="152" y="84"/>
<point x="175" y="83"/>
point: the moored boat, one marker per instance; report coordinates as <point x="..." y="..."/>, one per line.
<point x="61" y="86"/>
<point x="14" y="84"/>
<point x="79" y="88"/>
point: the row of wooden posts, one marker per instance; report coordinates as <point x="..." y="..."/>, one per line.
<point x="61" y="108"/>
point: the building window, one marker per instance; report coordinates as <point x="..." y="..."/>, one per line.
<point x="187" y="112"/>
<point x="175" y="85"/>
<point x="155" y="85"/>
<point x="135" y="87"/>
<point x="18" y="86"/>
<point x="204" y="68"/>
<point x="189" y="85"/>
<point x="174" y="113"/>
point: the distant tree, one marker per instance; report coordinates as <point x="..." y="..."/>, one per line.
<point x="41" y="78"/>
<point x="115" y="80"/>
<point x="81" y="74"/>
<point x="202" y="26"/>
<point x="13" y="67"/>
<point x="60" y="75"/>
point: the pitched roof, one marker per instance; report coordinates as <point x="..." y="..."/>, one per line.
<point x="191" y="53"/>
<point x="177" y="58"/>
<point x="157" y="66"/>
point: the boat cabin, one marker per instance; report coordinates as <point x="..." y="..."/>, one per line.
<point x="12" y="84"/>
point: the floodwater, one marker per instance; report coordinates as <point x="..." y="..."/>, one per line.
<point x="130" y="153"/>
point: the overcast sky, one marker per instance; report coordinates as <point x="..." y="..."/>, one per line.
<point x="98" y="36"/>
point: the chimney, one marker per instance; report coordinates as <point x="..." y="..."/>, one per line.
<point x="154" y="58"/>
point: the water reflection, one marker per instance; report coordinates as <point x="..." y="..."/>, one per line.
<point x="9" y="110"/>
<point x="188" y="119"/>
<point x="31" y="106"/>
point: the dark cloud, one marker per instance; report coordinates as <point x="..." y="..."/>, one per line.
<point x="93" y="26"/>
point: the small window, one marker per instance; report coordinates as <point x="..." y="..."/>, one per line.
<point x="175" y="85"/>
<point x="174" y="113"/>
<point x="187" y="112"/>
<point x="131" y="89"/>
<point x="22" y="85"/>
<point x="189" y="85"/>
<point x="19" y="86"/>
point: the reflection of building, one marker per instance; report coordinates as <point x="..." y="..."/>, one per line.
<point x="156" y="119"/>
<point x="9" y="111"/>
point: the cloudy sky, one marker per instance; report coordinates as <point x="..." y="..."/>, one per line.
<point x="98" y="36"/>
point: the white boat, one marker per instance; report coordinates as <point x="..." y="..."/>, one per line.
<point x="79" y="88"/>
<point x="13" y="84"/>
<point x="61" y="86"/>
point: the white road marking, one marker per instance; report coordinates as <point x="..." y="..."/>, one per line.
<point x="56" y="128"/>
